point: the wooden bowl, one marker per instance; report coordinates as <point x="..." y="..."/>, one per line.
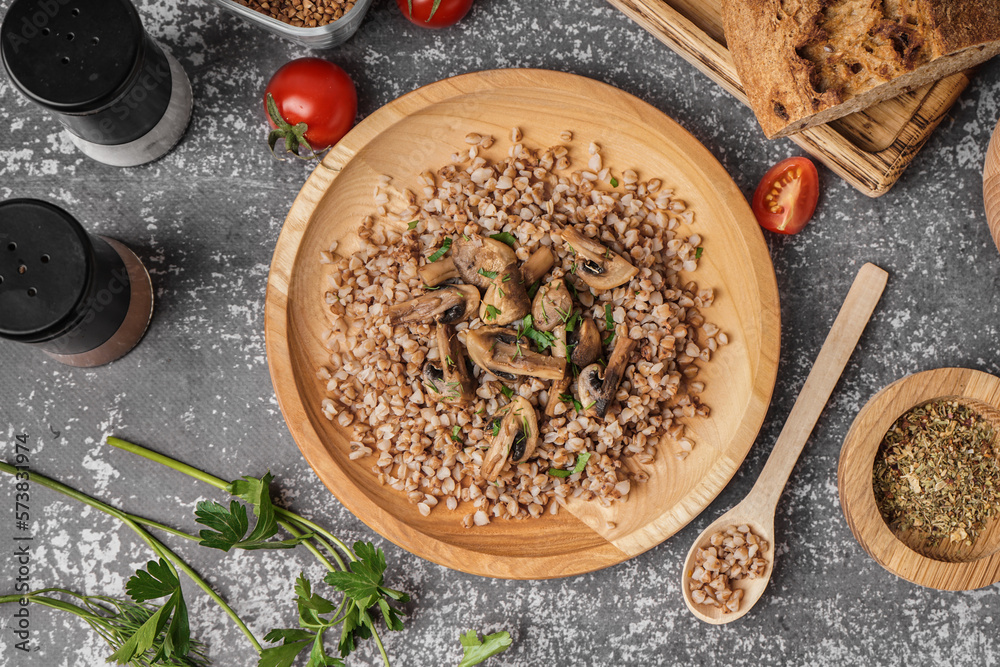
<point x="421" y="130"/>
<point x="907" y="554"/>
<point x="991" y="185"/>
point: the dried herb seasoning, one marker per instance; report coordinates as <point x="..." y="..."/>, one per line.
<point x="936" y="472"/>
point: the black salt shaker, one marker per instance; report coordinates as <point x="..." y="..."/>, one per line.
<point x="85" y="300"/>
<point x="123" y="99"/>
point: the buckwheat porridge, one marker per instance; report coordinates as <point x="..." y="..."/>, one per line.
<point x="517" y="331"/>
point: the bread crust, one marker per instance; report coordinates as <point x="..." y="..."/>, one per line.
<point x="805" y="62"/>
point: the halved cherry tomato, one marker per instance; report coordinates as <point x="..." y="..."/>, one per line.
<point x="786" y="198"/>
<point x="435" y="13"/>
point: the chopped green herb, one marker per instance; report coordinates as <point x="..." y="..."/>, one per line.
<point x="496" y="427"/>
<point x="412" y="224"/>
<point x="614" y="182"/>
<point x="481" y="411"/>
<point x="466" y="237"/>
<point x="572" y="288"/>
<point x="492" y="312"/>
<point x="432" y="385"/>
<point x="505" y="278"/>
<point x="587" y="407"/>
<point x="571" y="248"/>
<point x="568" y="398"/>
<point x="501" y="292"/>
<point x="456" y="431"/>
<point x="572" y="269"/>
<point x="505" y="237"/>
<point x="698" y="253"/>
<point x="609" y="323"/>
<point x="429" y="288"/>
<point x="581" y="463"/>
<point x="450" y="361"/>
<point x="506" y="391"/>
<point x="489" y="274"/>
<point x="534" y="289"/>
<point x="440" y="253"/>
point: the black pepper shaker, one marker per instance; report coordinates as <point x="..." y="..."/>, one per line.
<point x="85" y="300"/>
<point x="123" y="99"/>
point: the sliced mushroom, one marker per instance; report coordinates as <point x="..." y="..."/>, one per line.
<point x="515" y="442"/>
<point x="458" y="384"/>
<point x="586" y="340"/>
<point x="433" y="377"/>
<point x="448" y="305"/>
<point x="505" y="301"/>
<point x="479" y="260"/>
<point x="552" y="306"/>
<point x="537" y="265"/>
<point x="558" y="387"/>
<point x="597" y="386"/>
<point x="499" y="351"/>
<point x="435" y="273"/>
<point x="598" y="266"/>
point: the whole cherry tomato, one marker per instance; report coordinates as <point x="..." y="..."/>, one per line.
<point x="435" y="13"/>
<point x="310" y="102"/>
<point x="786" y="198"/>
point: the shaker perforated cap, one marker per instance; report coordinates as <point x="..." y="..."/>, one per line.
<point x="72" y="56"/>
<point x="46" y="260"/>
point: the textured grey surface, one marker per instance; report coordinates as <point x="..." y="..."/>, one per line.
<point x="205" y="219"/>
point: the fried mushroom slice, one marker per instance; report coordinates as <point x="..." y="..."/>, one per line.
<point x="458" y="384"/>
<point x="552" y="306"/>
<point x="479" y="260"/>
<point x="516" y="440"/>
<point x="597" y="386"/>
<point x="586" y="341"/>
<point x="599" y="267"/>
<point x="537" y="265"/>
<point x="441" y="271"/>
<point x="447" y="305"/>
<point x="506" y="301"/>
<point x="500" y="351"/>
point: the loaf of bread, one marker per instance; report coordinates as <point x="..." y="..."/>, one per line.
<point x="807" y="62"/>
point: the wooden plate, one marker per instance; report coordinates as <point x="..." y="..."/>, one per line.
<point x="903" y="554"/>
<point x="420" y="131"/>
<point x="991" y="185"/>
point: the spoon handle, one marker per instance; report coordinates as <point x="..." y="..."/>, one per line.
<point x="991" y="185"/>
<point x="826" y="371"/>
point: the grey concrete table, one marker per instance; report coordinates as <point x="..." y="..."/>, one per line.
<point x="205" y="220"/>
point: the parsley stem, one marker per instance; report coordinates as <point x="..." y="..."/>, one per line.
<point x="381" y="648"/>
<point x="218" y="483"/>
<point x="158" y="547"/>
<point x="167" y="529"/>
<point x="308" y="545"/>
<point x="162" y="459"/>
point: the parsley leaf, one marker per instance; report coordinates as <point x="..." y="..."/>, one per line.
<point x="506" y="391"/>
<point x="309" y="636"/>
<point x="581" y="463"/>
<point x="156" y="581"/>
<point x="698" y="253"/>
<point x="363" y="589"/>
<point x="456" y="431"/>
<point x="412" y="224"/>
<point x="614" y="182"/>
<point x="568" y="398"/>
<point x="492" y="312"/>
<point x="228" y="527"/>
<point x="440" y="253"/>
<point x="488" y="274"/>
<point x="495" y="427"/>
<point x="476" y="651"/>
<point x="534" y="289"/>
<point x="505" y="237"/>
<point x="573" y="321"/>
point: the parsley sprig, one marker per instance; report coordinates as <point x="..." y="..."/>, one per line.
<point x="142" y="635"/>
<point x="476" y="650"/>
<point x="445" y="247"/>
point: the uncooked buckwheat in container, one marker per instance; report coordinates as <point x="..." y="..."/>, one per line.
<point x="303" y="25"/>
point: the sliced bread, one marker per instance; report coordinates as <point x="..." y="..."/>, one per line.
<point x="807" y="62"/>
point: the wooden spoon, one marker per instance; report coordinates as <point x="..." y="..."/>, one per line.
<point x="991" y="186"/>
<point x="756" y="511"/>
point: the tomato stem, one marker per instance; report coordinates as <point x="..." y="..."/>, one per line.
<point x="294" y="135"/>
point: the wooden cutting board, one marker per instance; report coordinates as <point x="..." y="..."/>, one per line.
<point x="869" y="149"/>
